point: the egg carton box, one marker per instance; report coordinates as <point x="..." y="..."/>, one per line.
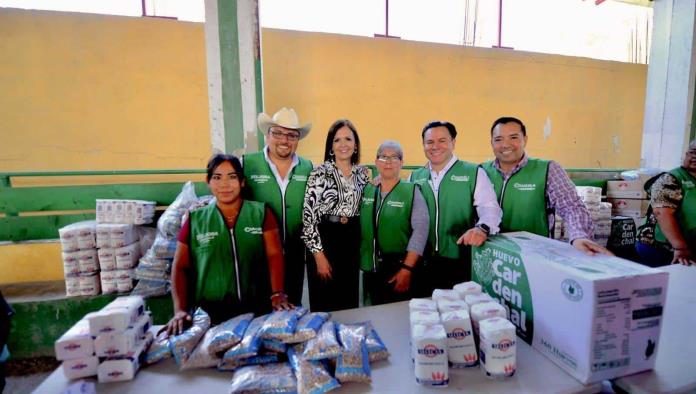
<point x="597" y="317"/>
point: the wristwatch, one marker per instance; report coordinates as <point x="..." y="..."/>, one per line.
<point x="484" y="227"/>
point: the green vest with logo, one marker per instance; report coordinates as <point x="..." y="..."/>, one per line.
<point x="229" y="263"/>
<point x="686" y="213"/>
<point x="392" y="219"/>
<point x="261" y="185"/>
<point x="452" y="212"/>
<point x="522" y="197"/>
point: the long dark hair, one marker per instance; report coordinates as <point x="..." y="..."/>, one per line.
<point x="355" y="158"/>
<point x="220" y="158"/>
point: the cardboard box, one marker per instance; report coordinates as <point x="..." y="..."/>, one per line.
<point x="597" y="317"/>
<point x="75" y="343"/>
<point x="630" y="207"/>
<point x="80" y="367"/>
<point x="626" y="189"/>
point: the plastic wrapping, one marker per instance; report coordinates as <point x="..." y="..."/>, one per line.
<point x="202" y="357"/>
<point x="274" y="345"/>
<point x="249" y="346"/>
<point x="312" y="376"/>
<point x="231" y="365"/>
<point x="376" y="349"/>
<point x="158" y="350"/>
<point x="182" y="345"/>
<point x="229" y="333"/>
<point x="353" y="363"/>
<point x="270" y="378"/>
<point x="308" y="326"/>
<point x="151" y="288"/>
<point x="323" y="346"/>
<point x="281" y="325"/>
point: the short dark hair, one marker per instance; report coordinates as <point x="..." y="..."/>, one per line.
<point x="506" y="120"/>
<point x="437" y="123"/>
<point x="337" y="125"/>
<point x="220" y="158"/>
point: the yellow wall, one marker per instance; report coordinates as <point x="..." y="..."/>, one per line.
<point x="391" y="88"/>
<point x="94" y="92"/>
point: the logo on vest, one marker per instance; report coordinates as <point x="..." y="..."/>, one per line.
<point x="395" y="204"/>
<point x="459" y="178"/>
<point x="299" y="178"/>
<point x="260" y="178"/>
<point x="688" y="184"/>
<point x="525" y="187"/>
<point x="253" y="230"/>
<point x="205" y="238"/>
<point x="368" y="200"/>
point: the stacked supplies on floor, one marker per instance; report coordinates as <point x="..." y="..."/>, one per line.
<point x="108" y="343"/>
<point x="80" y="261"/>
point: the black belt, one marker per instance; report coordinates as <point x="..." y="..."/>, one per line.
<point x="340" y="219"/>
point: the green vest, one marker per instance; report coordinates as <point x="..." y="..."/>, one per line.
<point x="452" y="213"/>
<point x="686" y="213"/>
<point x="392" y="219"/>
<point x="261" y="185"/>
<point x="522" y="197"/>
<point x="229" y="263"/>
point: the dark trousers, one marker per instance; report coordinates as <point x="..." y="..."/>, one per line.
<point x="295" y="258"/>
<point x="444" y="273"/>
<point x="2" y="375"/>
<point x="341" y="244"/>
<point x="378" y="290"/>
<point x="653" y="256"/>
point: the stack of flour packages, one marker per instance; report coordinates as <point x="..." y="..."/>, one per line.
<point x="108" y="343"/>
<point x="99" y="256"/>
<point x="460" y="328"/>
<point x="599" y="211"/>
<point x="153" y="269"/>
<point x="291" y="351"/>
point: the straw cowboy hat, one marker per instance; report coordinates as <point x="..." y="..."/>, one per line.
<point x="285" y="117"/>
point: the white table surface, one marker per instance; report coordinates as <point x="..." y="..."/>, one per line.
<point x="535" y="373"/>
<point x="675" y="368"/>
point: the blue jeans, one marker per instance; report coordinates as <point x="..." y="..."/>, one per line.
<point x="653" y="256"/>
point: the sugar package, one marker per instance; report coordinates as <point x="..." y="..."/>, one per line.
<point x="486" y="310"/>
<point x="80" y="367"/>
<point x="446" y="294"/>
<point x="467" y="288"/>
<point x="461" y="347"/>
<point x="450" y="305"/>
<point x="75" y="343"/>
<point x="473" y="299"/>
<point x="498" y="349"/>
<point x="422" y="304"/>
<point x="430" y="342"/>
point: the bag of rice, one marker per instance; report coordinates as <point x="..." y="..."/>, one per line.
<point x="158" y="350"/>
<point x="274" y="345"/>
<point x="249" y="345"/>
<point x="182" y="345"/>
<point x="201" y="357"/>
<point x="307" y="327"/>
<point x="376" y="349"/>
<point x="323" y="346"/>
<point x="312" y="376"/>
<point x="281" y="325"/>
<point x="269" y="378"/>
<point x="353" y="363"/>
<point x="229" y="333"/>
<point x="232" y="364"/>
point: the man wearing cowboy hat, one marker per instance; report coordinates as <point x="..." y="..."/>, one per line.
<point x="278" y="177"/>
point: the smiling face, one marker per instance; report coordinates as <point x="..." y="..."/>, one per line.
<point x="225" y="184"/>
<point x="388" y="164"/>
<point x="508" y="143"/>
<point x="282" y="142"/>
<point x="438" y="145"/>
<point x="343" y="145"/>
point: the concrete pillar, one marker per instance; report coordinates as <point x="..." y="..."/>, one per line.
<point x="668" y="122"/>
<point x="232" y="37"/>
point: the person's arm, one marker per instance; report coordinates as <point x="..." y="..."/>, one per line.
<point x="487" y="209"/>
<point x="311" y="216"/>
<point x="420" y="226"/>
<point x="564" y="198"/>
<point x="276" y="261"/>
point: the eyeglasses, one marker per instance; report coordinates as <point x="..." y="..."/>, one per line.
<point x="279" y="135"/>
<point x="388" y="159"/>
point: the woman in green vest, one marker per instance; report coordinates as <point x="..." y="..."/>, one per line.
<point x="229" y="256"/>
<point x="331" y="226"/>
<point x="395" y="222"/>
<point x="669" y="234"/>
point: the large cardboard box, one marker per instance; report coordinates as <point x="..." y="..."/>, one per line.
<point x="597" y="317"/>
<point x="633" y="208"/>
<point x="626" y="189"/>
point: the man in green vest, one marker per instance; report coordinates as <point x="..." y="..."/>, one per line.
<point x="531" y="190"/>
<point x="278" y="176"/>
<point x="669" y="235"/>
<point x="462" y="205"/>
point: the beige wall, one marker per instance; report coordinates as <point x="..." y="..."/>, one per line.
<point x="94" y="92"/>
